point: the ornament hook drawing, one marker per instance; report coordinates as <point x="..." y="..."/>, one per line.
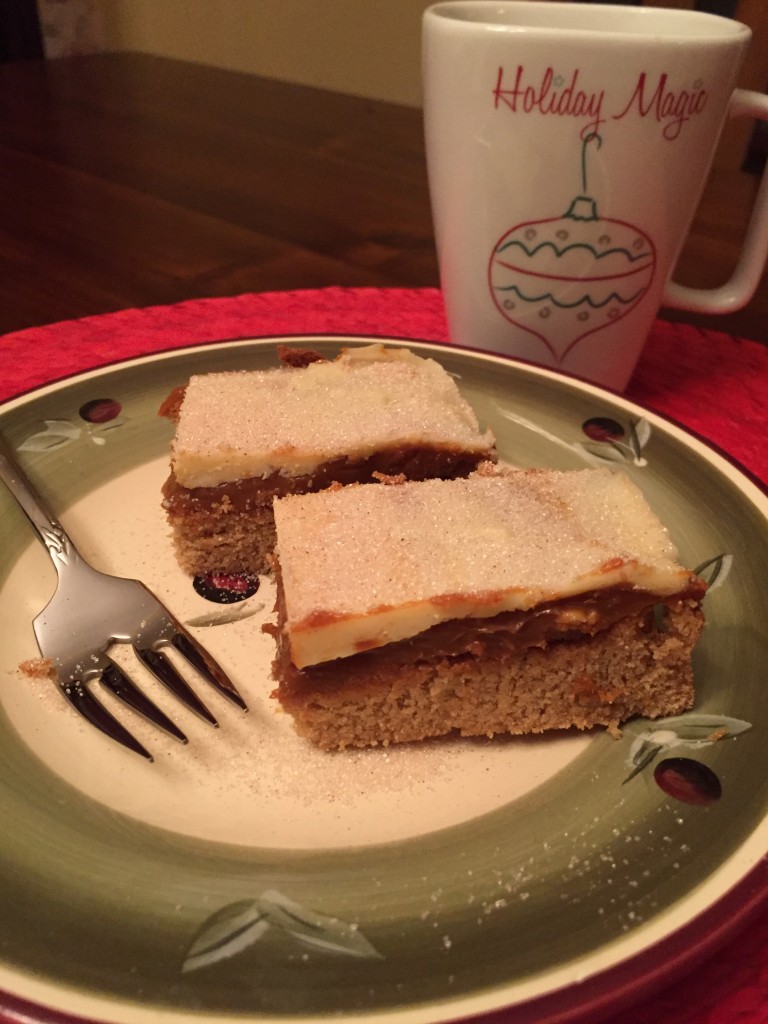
<point x="566" y="277"/>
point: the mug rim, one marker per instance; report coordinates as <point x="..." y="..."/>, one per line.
<point x="617" y="21"/>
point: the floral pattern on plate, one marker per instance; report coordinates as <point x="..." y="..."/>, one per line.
<point x="101" y="414"/>
<point x="237" y="926"/>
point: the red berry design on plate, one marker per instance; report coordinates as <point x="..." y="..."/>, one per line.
<point x="563" y="278"/>
<point x="687" y="780"/>
<point x="100" y="410"/>
<point x="226" y="588"/>
<point x="602" y="428"/>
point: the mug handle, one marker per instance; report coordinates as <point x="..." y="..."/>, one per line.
<point x="742" y="285"/>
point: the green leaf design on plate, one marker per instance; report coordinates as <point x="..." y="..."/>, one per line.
<point x="639" y="436"/>
<point x="57" y="433"/>
<point x="328" y="934"/>
<point x="715" y="570"/>
<point x="237" y="926"/>
<point x="644" y="755"/>
<point x="691" y="730"/>
<point x="701" y="730"/>
<point x="229" y="931"/>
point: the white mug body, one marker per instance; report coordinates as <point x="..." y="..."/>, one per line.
<point x="568" y="146"/>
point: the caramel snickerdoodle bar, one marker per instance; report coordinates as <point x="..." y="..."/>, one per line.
<point x="508" y="602"/>
<point x="244" y="438"/>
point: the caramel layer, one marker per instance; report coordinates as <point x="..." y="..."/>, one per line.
<point x="570" y="619"/>
<point x="412" y="461"/>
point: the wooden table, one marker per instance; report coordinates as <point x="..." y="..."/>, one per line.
<point x="132" y="180"/>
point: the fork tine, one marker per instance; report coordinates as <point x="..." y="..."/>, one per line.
<point x="163" y="670"/>
<point x="90" y="610"/>
<point x="83" y="701"/>
<point x="206" y="665"/>
<point x="123" y="687"/>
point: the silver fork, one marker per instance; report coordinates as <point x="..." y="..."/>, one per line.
<point x="89" y="612"/>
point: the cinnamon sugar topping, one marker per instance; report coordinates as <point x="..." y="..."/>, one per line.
<point x="371" y="564"/>
<point x="290" y="420"/>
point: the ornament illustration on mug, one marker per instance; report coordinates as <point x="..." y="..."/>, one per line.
<point x="563" y="278"/>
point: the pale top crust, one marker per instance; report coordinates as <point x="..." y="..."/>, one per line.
<point x="366" y="565"/>
<point x="246" y="424"/>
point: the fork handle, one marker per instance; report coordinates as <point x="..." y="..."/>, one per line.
<point x="49" y="529"/>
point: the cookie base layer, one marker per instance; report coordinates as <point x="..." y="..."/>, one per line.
<point x="634" y="668"/>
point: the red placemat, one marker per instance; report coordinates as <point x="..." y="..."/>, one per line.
<point x="711" y="382"/>
<point x="708" y="381"/>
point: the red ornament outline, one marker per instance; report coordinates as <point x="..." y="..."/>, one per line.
<point x="559" y="359"/>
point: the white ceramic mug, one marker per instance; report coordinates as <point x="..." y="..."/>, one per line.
<point x="568" y="145"/>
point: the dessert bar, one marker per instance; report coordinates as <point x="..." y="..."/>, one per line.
<point x="507" y="602"/>
<point x="243" y="438"/>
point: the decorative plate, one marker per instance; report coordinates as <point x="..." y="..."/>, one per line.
<point x="250" y="877"/>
